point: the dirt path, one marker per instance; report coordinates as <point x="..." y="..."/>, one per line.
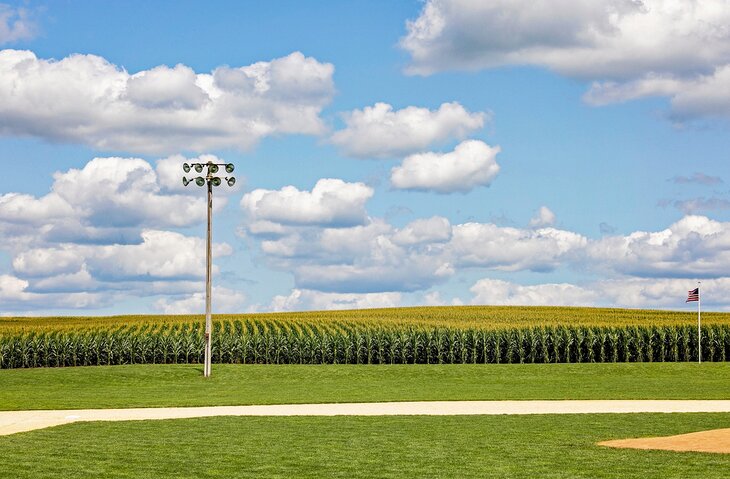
<point x="12" y="422"/>
<point x="716" y="440"/>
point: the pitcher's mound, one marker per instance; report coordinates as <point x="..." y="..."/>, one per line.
<point x="716" y="440"/>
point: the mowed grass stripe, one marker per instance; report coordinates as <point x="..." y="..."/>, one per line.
<point x="183" y="385"/>
<point x="363" y="447"/>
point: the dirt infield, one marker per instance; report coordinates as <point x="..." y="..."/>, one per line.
<point x="716" y="440"/>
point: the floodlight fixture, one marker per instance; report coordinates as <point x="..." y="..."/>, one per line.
<point x="211" y="181"/>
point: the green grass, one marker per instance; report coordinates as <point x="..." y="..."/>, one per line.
<point x="183" y="385"/>
<point x="362" y="447"/>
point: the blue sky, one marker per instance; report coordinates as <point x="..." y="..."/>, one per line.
<point x="388" y="153"/>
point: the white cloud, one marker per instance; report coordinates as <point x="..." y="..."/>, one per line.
<point x="472" y="163"/>
<point x="511" y="249"/>
<point x="109" y="200"/>
<point x="16" y="24"/>
<point x="12" y="287"/>
<point x="332" y="202"/>
<point x="376" y="257"/>
<point x="15" y="296"/>
<point x="164" y="87"/>
<point x="436" y="229"/>
<point x="544" y="217"/>
<point x="693" y="247"/>
<point x="359" y="259"/>
<point x="223" y="301"/>
<point x="498" y="292"/>
<point x="160" y="255"/>
<point x="299" y="300"/>
<point x="433" y="298"/>
<point x="633" y="49"/>
<point x="627" y="293"/>
<point x="380" y="132"/>
<point x="85" y="99"/>
<point x="610" y="39"/>
<point x="690" y="97"/>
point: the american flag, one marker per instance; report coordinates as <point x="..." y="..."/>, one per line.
<point x="693" y="295"/>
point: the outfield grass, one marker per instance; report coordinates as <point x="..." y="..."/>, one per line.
<point x="183" y="385"/>
<point x="362" y="447"/>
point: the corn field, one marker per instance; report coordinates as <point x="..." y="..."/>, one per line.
<point x="283" y="340"/>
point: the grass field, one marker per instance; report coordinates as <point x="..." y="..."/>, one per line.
<point x="362" y="447"/>
<point x="302" y="447"/>
<point x="183" y="385"/>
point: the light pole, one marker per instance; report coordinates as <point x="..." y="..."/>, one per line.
<point x="211" y="180"/>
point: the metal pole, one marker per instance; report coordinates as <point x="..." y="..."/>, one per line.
<point x="211" y="181"/>
<point x="699" y="324"/>
<point x="208" y="325"/>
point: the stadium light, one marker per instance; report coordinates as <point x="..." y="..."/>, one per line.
<point x="211" y="180"/>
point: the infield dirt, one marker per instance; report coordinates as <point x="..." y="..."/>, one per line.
<point x="715" y="440"/>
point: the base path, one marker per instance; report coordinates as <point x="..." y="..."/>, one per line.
<point x="19" y="421"/>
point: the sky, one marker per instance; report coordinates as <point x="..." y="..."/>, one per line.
<point x="387" y="153"/>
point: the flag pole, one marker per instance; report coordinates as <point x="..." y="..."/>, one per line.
<point x="699" y="324"/>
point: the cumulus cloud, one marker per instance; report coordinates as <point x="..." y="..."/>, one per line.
<point x="15" y="296"/>
<point x="628" y="293"/>
<point x="694" y="246"/>
<point x="433" y="298"/>
<point x="358" y="259"/>
<point x="615" y="38"/>
<point x="512" y="249"/>
<point x="380" y="132"/>
<point x="80" y="276"/>
<point x="109" y="200"/>
<point x="377" y="257"/>
<point x="86" y="99"/>
<point x="690" y="97"/>
<point x="473" y="163"/>
<point x="160" y="255"/>
<point x="436" y="229"/>
<point x="498" y="292"/>
<point x="224" y="300"/>
<point x="632" y="49"/>
<point x="16" y="24"/>
<point x="96" y="236"/>
<point x="332" y="202"/>
<point x="544" y="217"/>
<point x="302" y="299"/>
